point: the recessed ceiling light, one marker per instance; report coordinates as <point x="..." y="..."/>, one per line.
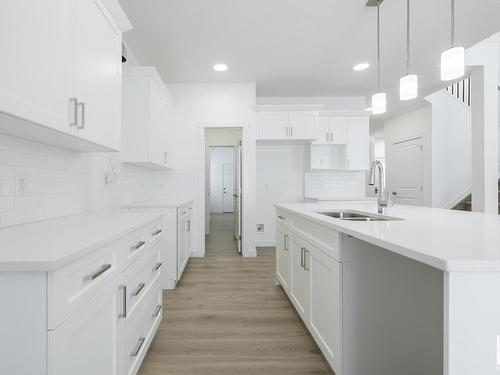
<point x="361" y="66"/>
<point x="220" y="67"/>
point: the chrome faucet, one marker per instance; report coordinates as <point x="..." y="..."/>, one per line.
<point x="383" y="198"/>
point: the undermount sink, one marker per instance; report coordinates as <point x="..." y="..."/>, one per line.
<point x="357" y="216"/>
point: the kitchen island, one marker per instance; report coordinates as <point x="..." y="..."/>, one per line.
<point x="414" y="293"/>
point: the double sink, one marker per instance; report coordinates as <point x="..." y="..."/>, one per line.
<point x="357" y="216"/>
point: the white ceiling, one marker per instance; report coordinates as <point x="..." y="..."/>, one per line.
<point x="301" y="47"/>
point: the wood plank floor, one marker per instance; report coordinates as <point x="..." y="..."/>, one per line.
<point x="227" y="317"/>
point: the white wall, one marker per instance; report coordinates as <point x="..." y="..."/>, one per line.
<point x="414" y="124"/>
<point x="219" y="156"/>
<point x="344" y="103"/>
<point x="280" y="179"/>
<point x="451" y="150"/>
<point x="199" y="106"/>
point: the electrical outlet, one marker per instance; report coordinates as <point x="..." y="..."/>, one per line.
<point x="260" y="227"/>
<point x="21" y="184"/>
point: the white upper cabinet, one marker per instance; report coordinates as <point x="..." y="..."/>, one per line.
<point x="342" y="143"/>
<point x="283" y="125"/>
<point x="303" y="124"/>
<point x="331" y="130"/>
<point x="358" y="150"/>
<point x="60" y="73"/>
<point x="274" y="125"/>
<point x="98" y="71"/>
<point x="148" y="119"/>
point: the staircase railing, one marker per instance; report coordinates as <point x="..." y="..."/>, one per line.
<point x="461" y="90"/>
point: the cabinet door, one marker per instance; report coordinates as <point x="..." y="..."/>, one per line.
<point x="300" y="293"/>
<point x="303" y="125"/>
<point x="338" y="130"/>
<point x="36" y="75"/>
<point x="325" y="305"/>
<point x="170" y="133"/>
<point x="282" y="257"/>
<point x="322" y="131"/>
<point x="181" y="248"/>
<point x="274" y="125"/>
<point x="86" y="343"/>
<point x="358" y="143"/>
<point x="97" y="73"/>
<point x="158" y="127"/>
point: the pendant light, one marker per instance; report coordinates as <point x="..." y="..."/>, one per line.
<point x="408" y="85"/>
<point x="453" y="59"/>
<point x="379" y="100"/>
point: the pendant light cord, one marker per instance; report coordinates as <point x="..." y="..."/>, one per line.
<point x="452" y="36"/>
<point x="378" y="45"/>
<point x="407" y="36"/>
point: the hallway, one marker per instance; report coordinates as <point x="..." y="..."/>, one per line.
<point x="228" y="317"/>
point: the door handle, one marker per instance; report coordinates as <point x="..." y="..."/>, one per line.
<point x="82" y="106"/>
<point x="73" y="102"/>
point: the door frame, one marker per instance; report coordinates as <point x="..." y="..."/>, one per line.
<point x="248" y="178"/>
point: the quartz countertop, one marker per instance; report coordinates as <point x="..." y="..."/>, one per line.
<point x="50" y="244"/>
<point x="445" y="239"/>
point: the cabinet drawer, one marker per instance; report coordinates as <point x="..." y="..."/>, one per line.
<point x="136" y="245"/>
<point x="156" y="233"/>
<point x="325" y="239"/>
<point x="137" y="339"/>
<point x="137" y="282"/>
<point x="74" y="284"/>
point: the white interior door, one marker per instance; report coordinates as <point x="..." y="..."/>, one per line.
<point x="228" y="187"/>
<point x="237" y="198"/>
<point x="407" y="172"/>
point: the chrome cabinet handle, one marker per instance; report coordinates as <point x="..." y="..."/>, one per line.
<point x="157" y="267"/>
<point x="165" y="158"/>
<point x="124" y="302"/>
<point x="157" y="311"/>
<point x="285" y="245"/>
<point x="291" y="131"/>
<point x="138" y="246"/>
<point x="82" y="106"/>
<point x="306" y="267"/>
<point x="73" y="110"/>
<point x="331" y="137"/>
<point x="156" y="232"/>
<point x="138" y="347"/>
<point x="139" y="289"/>
<point x="302" y="250"/>
<point x="96" y="274"/>
<point x="287" y="131"/>
<point x="282" y="218"/>
<point x="189" y="225"/>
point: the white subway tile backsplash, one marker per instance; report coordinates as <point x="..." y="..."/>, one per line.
<point x="62" y="182"/>
<point x="341" y="184"/>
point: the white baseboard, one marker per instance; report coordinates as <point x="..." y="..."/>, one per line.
<point x="196" y="254"/>
<point x="265" y="243"/>
<point x="250" y="253"/>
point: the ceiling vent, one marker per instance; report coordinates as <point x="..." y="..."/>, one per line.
<point x="373" y="3"/>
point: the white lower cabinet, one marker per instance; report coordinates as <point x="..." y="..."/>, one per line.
<point x="325" y="277"/>
<point x="86" y="343"/>
<point x="282" y="257"/>
<point x="311" y="277"/>
<point x="299" y="290"/>
<point x="95" y="315"/>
